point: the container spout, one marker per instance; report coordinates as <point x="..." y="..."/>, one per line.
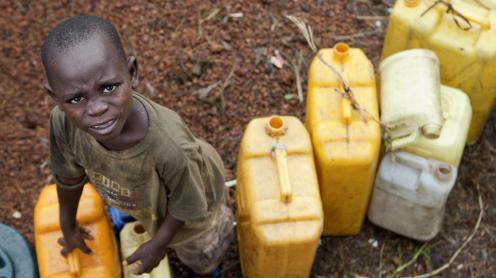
<point x="341" y="51"/>
<point x="275" y="126"/>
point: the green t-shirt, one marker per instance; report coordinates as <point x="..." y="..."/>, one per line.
<point x="169" y="170"/>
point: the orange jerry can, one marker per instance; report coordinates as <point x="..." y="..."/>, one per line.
<point x="346" y="141"/>
<point x="279" y="211"/>
<point x="104" y="261"/>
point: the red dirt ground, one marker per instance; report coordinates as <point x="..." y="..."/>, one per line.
<point x="184" y="46"/>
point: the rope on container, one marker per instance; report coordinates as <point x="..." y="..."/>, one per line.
<point x="454" y="14"/>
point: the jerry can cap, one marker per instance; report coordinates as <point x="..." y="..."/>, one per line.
<point x="275" y="126"/>
<point x="341" y="50"/>
<point x="444" y="172"/>
<point x="411" y="3"/>
<point x="431" y="131"/>
<point x="409" y="54"/>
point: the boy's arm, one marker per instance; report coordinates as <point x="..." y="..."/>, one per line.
<point x="70" y="178"/>
<point x="68" y="196"/>
<point x="153" y="251"/>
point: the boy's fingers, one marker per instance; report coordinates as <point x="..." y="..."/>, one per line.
<point x="132" y="259"/>
<point x="88" y="236"/>
<point x="85" y="248"/>
<point x="86" y="233"/>
<point x="64" y="251"/>
<point x="141" y="268"/>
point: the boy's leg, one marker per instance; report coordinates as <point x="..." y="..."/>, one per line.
<point x="205" y="253"/>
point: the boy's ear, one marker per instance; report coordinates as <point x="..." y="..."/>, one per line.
<point x="49" y="91"/>
<point x="132" y="66"/>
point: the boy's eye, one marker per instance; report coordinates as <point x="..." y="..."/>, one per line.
<point x="109" y="88"/>
<point x="76" y="100"/>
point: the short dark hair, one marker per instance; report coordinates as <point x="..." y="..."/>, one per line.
<point x="75" y="30"/>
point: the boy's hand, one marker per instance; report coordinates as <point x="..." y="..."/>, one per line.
<point x="149" y="254"/>
<point x="75" y="239"/>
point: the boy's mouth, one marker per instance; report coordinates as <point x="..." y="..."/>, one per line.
<point x="105" y="127"/>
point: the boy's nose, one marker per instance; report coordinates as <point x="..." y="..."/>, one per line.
<point x="97" y="108"/>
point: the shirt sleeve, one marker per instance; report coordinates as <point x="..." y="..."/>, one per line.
<point x="62" y="160"/>
<point x="183" y="180"/>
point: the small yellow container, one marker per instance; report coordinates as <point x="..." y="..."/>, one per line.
<point x="448" y="148"/>
<point x="465" y="50"/>
<point x="132" y="236"/>
<point x="279" y="211"/>
<point x="346" y="143"/>
<point x="104" y="261"/>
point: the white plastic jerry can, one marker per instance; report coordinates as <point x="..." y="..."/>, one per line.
<point x="410" y="96"/>
<point x="457" y="113"/>
<point x="132" y="236"/>
<point x="410" y="195"/>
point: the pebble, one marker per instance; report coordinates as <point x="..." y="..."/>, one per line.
<point x="17" y="214"/>
<point x="374" y="242"/>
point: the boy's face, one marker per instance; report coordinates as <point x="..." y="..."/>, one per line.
<point x="93" y="85"/>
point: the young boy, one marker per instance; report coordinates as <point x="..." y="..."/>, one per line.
<point x="140" y="156"/>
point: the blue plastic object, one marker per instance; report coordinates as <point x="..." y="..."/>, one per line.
<point x="16" y="255"/>
<point x="119" y="219"/>
<point x="6" y="266"/>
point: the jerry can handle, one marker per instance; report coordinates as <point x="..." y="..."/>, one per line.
<point x="279" y="151"/>
<point x="405" y="158"/>
<point x="346" y="110"/>
<point x="405" y="141"/>
<point x="74" y="264"/>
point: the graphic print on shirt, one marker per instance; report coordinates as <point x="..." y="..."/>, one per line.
<point x="115" y="194"/>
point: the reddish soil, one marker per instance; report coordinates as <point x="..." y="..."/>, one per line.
<point x="184" y="46"/>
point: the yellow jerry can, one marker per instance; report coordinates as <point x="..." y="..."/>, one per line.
<point x="448" y="148"/>
<point x="132" y="236"/>
<point x="104" y="261"/>
<point x="346" y="141"/>
<point x="279" y="211"/>
<point x="410" y="97"/>
<point x="489" y="4"/>
<point x="463" y="35"/>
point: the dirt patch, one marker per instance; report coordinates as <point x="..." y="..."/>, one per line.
<point x="186" y="51"/>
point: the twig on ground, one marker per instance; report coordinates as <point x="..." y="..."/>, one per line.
<point x="453" y="257"/>
<point x="420" y="251"/>
<point x="357" y="35"/>
<point x="371" y="17"/>
<point x="296" y="66"/>
<point x="226" y="84"/>
<point x="387" y="3"/>
<point x="306" y="30"/>
<point x="459" y="250"/>
<point x="380" y="257"/>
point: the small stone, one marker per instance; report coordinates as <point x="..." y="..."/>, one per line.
<point x="226" y="45"/>
<point x="459" y="267"/>
<point x="374" y="243"/>
<point x="149" y="88"/>
<point x="216" y="47"/>
<point x="17" y="214"/>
